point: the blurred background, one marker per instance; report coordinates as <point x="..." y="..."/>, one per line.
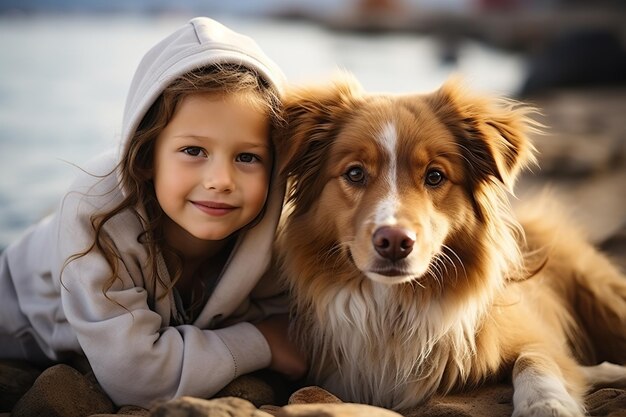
<point x="66" y="65"/>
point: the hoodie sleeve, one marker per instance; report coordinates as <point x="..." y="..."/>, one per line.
<point x="135" y="356"/>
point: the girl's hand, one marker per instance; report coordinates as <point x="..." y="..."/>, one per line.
<point x="286" y="358"/>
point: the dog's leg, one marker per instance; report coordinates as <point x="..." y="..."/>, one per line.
<point x="540" y="389"/>
<point x="605" y="375"/>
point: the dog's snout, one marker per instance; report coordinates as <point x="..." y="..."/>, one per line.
<point x="393" y="243"/>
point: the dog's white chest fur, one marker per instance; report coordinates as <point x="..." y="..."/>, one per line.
<point x="388" y="354"/>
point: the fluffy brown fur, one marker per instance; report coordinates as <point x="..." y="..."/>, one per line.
<point x="409" y="272"/>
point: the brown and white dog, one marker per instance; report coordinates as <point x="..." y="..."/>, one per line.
<point x="409" y="272"/>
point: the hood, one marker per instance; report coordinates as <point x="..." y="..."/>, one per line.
<point x="201" y="42"/>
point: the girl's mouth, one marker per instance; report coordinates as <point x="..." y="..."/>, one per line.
<point x="213" y="208"/>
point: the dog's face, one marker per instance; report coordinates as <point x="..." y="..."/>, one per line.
<point x="398" y="183"/>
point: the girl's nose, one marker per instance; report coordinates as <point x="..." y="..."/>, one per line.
<point x="218" y="176"/>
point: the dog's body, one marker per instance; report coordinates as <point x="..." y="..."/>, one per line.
<point x="409" y="273"/>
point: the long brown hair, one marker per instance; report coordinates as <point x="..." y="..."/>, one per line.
<point x="135" y="166"/>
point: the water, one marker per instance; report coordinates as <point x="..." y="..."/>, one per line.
<point x="63" y="81"/>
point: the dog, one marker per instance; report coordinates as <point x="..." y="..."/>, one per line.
<point x="409" y="272"/>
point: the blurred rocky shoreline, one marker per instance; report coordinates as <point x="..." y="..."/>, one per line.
<point x="582" y="158"/>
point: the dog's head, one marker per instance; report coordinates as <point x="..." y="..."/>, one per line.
<point x="405" y="185"/>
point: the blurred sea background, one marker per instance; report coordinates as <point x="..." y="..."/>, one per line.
<point x="66" y="65"/>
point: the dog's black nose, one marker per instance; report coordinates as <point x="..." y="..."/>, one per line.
<point x="393" y="243"/>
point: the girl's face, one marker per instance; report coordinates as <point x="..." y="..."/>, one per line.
<point x="212" y="166"/>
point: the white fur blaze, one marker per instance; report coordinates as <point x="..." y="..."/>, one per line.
<point x="385" y="213"/>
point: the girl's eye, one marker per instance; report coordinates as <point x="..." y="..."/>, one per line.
<point x="194" y="151"/>
<point x="434" y="178"/>
<point x="356" y="175"/>
<point x="247" y="158"/>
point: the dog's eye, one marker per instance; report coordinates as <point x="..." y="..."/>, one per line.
<point x="355" y="174"/>
<point x="434" y="178"/>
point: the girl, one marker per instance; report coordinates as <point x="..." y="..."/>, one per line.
<point x="153" y="266"/>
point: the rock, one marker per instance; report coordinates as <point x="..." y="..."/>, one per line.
<point x="334" y="410"/>
<point x="127" y="410"/>
<point x="217" y="407"/>
<point x="260" y="388"/>
<point x="16" y="377"/>
<point x="133" y="410"/>
<point x="313" y="394"/>
<point x="314" y="401"/>
<point x="237" y="407"/>
<point x="270" y="409"/>
<point x="62" y="391"/>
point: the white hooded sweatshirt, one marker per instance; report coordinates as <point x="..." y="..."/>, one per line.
<point x="136" y="354"/>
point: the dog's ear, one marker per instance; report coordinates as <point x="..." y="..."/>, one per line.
<point x="313" y="116"/>
<point x="492" y="133"/>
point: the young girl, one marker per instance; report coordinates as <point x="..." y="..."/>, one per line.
<point x="153" y="267"/>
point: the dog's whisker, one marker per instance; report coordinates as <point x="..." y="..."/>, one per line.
<point x="437" y="264"/>
<point x="414" y="282"/>
<point x="332" y="253"/>
<point x="343" y="248"/>
<point x="443" y="267"/>
<point x="437" y="272"/>
<point x="433" y="274"/>
<point x="447" y="260"/>
<point x="449" y="251"/>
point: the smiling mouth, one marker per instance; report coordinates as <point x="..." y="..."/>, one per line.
<point x="213" y="208"/>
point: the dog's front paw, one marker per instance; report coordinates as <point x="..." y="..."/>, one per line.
<point x="549" y="407"/>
